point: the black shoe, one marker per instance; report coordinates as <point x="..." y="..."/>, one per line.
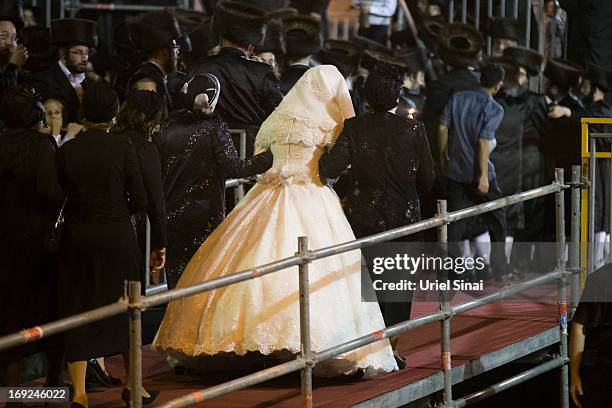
<point x="125" y="396"/>
<point x="75" y="404"/>
<point x="401" y="361"/>
<point x="95" y="373"/>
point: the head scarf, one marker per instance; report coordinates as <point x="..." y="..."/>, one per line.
<point x="200" y="84"/>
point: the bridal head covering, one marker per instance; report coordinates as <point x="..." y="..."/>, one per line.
<point x="321" y="95"/>
<point x="206" y="84"/>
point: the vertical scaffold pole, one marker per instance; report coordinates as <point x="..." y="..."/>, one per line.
<point x="574" y="249"/>
<point x="305" y="323"/>
<point x="560" y="216"/>
<point x="593" y="180"/>
<point x="135" y="380"/>
<point x="445" y="345"/>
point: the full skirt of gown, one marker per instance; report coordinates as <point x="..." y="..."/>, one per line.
<point x="262" y="315"/>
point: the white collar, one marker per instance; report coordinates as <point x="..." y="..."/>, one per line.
<point x="75" y="79"/>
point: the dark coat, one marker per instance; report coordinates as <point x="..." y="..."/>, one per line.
<point x="249" y="90"/>
<point x="438" y="94"/>
<point x="53" y="83"/>
<point x="291" y="75"/>
<point x="508" y="155"/>
<point x="390" y="159"/>
<point x="29" y="203"/>
<point x="150" y="167"/>
<point x="152" y="72"/>
<point x="101" y="176"/>
<point x="9" y="79"/>
<point x="197" y="155"/>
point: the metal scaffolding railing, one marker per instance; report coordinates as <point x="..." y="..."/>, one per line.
<point x="135" y="304"/>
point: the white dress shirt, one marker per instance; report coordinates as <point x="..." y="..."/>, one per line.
<point x="75" y="79"/>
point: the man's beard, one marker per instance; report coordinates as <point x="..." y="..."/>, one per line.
<point x="5" y="57"/>
<point x="76" y="69"/>
<point x="170" y="66"/>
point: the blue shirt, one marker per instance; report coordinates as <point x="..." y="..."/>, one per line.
<point x="469" y="116"/>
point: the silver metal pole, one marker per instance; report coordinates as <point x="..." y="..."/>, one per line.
<point x="445" y="345"/>
<point x="574" y="249"/>
<point x="305" y="322"/>
<point x="593" y="177"/>
<point x="477" y="15"/>
<point x="464" y="11"/>
<point x="560" y="213"/>
<point x="515" y="9"/>
<point x="489" y="14"/>
<point x="48" y="13"/>
<point x="239" y="191"/>
<point x="503" y="8"/>
<point x="451" y="11"/>
<point x="135" y="378"/>
<point x="528" y="25"/>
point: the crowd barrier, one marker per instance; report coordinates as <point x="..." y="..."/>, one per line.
<point x="134" y="304"/>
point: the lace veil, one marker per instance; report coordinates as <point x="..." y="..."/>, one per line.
<point x="313" y="112"/>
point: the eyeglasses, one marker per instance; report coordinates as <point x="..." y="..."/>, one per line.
<point x="6" y="37"/>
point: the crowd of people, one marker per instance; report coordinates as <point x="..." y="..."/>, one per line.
<point x="90" y="150"/>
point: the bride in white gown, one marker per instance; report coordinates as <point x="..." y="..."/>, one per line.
<point x="262" y="315"/>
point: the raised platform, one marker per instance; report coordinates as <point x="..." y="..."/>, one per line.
<point x="482" y="340"/>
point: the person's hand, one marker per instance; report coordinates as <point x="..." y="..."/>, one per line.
<point x="557" y="112"/>
<point x="19" y="56"/>
<point x="157" y="260"/>
<point x="73" y="129"/>
<point x="483" y="184"/>
<point x="576" y="390"/>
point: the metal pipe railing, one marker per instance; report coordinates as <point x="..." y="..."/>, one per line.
<point x="445" y="308"/>
<point x="574" y="248"/>
<point x="302" y="258"/>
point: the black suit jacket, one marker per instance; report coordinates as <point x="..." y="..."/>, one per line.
<point x="291" y="76"/>
<point x="53" y="83"/>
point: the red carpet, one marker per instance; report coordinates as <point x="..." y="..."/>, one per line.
<point x="478" y="332"/>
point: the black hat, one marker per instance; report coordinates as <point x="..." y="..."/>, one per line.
<point x="563" y="72"/>
<point x="506" y="28"/>
<point x="431" y="29"/>
<point x="100" y="103"/>
<point x="12" y="10"/>
<point x="38" y="41"/>
<point x="600" y="77"/>
<point x="274" y="40"/>
<point x="240" y="23"/>
<point x="309" y="6"/>
<point x="370" y="45"/>
<point x="68" y="31"/>
<point x="302" y="36"/>
<point x="189" y="20"/>
<point x="343" y="55"/>
<point x="460" y="45"/>
<point x="282" y="13"/>
<point x="265" y="5"/>
<point x="413" y="58"/>
<point x="202" y="40"/>
<point x="154" y="30"/>
<point x="383" y="63"/>
<point x="527" y="58"/>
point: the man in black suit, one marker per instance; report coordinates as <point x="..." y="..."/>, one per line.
<point x="155" y="34"/>
<point x="66" y="80"/>
<point x="249" y="89"/>
<point x="303" y="40"/>
<point x="13" y="56"/>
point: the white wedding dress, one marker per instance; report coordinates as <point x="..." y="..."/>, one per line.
<point x="262" y="314"/>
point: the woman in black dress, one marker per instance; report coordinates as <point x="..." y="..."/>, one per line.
<point x="30" y="201"/>
<point x="100" y="174"/>
<point x="197" y="157"/>
<point x="138" y="119"/>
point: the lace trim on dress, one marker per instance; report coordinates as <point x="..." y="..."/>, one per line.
<point x="291" y="129"/>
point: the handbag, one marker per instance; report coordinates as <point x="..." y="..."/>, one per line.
<point x="53" y="237"/>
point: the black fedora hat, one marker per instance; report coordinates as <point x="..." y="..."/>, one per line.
<point x="460" y="45"/>
<point x="527" y="58"/>
<point x="274" y="40"/>
<point x="238" y="22"/>
<point x="302" y="35"/>
<point x="12" y="10"/>
<point x="504" y="28"/>
<point x="563" y="72"/>
<point x="68" y="31"/>
<point x="153" y="30"/>
<point x="344" y="55"/>
<point x="383" y="63"/>
<point x="369" y="45"/>
<point x="600" y="77"/>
